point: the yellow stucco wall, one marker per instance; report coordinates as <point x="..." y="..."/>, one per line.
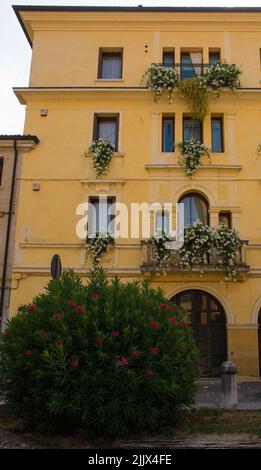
<point x="65" y="54"/>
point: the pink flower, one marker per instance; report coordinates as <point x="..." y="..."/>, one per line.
<point x="154" y="324"/>
<point x="149" y="373"/>
<point x="172" y="320"/>
<point x="115" y="334"/>
<point x="122" y="362"/>
<point x="136" y="354"/>
<point x="94" y="296"/>
<point x="74" y="356"/>
<point x="57" y="316"/>
<point x="71" y="303"/>
<point x="59" y="342"/>
<point x="184" y="324"/>
<point x="7" y="333"/>
<point x="31" y="308"/>
<point x="28" y="353"/>
<point x="154" y="350"/>
<point x="99" y="340"/>
<point x="164" y="306"/>
<point x="80" y="308"/>
<point x="74" y="364"/>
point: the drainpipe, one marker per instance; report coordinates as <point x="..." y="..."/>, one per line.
<point x="8" y="231"/>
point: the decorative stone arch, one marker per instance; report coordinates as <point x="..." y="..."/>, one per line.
<point x="228" y="312"/>
<point x="195" y="188"/>
<point x="255" y="312"/>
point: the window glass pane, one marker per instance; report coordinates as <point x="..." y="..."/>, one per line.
<point x="195" y="208"/>
<point x="107" y="130"/>
<point x="168" y="134"/>
<point x="214" y="57"/>
<point x="162" y="222"/>
<point x="225" y="219"/>
<point x="168" y="58"/>
<point x="100" y="214"/>
<point x="111" y="66"/>
<point x="191" y="64"/>
<point x="216" y="135"/>
<point x="192" y="129"/>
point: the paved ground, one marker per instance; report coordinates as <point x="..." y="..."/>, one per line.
<point x="209" y="394"/>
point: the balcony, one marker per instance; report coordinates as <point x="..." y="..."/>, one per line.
<point x="185" y="71"/>
<point x="151" y="265"/>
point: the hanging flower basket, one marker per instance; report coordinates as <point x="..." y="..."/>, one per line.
<point x="190" y="155"/>
<point x="161" y="79"/>
<point x="222" y="75"/>
<point x="102" y="151"/>
<point x="97" y="245"/>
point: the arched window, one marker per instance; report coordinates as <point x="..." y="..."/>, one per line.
<point x="195" y="208"/>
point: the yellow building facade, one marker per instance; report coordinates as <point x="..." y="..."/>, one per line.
<point x="86" y="72"/>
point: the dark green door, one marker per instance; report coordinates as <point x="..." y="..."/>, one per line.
<point x="208" y="321"/>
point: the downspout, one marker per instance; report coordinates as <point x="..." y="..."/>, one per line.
<point x="8" y="231"/>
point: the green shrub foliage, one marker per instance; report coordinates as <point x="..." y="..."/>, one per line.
<point x="109" y="358"/>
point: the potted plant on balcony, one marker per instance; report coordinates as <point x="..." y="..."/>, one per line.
<point x="197" y="245"/>
<point x="222" y="75"/>
<point x="162" y="254"/>
<point x="190" y="155"/>
<point x="226" y="241"/>
<point x="161" y="79"/>
<point x="102" y="151"/>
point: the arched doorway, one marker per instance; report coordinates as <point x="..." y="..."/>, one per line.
<point x="208" y="320"/>
<point x="259" y="340"/>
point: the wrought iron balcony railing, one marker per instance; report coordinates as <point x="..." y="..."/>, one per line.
<point x="211" y="264"/>
<point x="187" y="70"/>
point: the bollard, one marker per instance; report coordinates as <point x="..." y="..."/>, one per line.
<point x="229" y="398"/>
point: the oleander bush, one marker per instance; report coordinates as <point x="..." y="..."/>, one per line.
<point x="108" y="358"/>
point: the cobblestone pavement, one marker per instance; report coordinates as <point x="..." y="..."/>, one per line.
<point x="9" y="440"/>
<point x="209" y="393"/>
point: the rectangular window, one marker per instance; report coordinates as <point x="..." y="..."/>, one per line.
<point x="162" y="222"/>
<point x="168" y="133"/>
<point x="225" y="219"/>
<point x="217" y="134"/>
<point x="214" y="56"/>
<point x="191" y="64"/>
<point x="107" y="127"/>
<point x="110" y="64"/>
<point x="101" y="215"/>
<point x="1" y="169"/>
<point x="192" y="129"/>
<point x="168" y="57"/>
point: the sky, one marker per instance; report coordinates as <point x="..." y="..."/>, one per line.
<point x="15" y="51"/>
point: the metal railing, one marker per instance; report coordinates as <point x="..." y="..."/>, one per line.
<point x="187" y="70"/>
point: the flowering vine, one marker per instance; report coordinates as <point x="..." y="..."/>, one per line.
<point x="162" y="253"/>
<point x="200" y="242"/>
<point x="196" y="246"/>
<point x="222" y="75"/>
<point x="226" y="241"/>
<point x="190" y="155"/>
<point x="161" y="79"/>
<point x="97" y="245"/>
<point x="102" y="151"/>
